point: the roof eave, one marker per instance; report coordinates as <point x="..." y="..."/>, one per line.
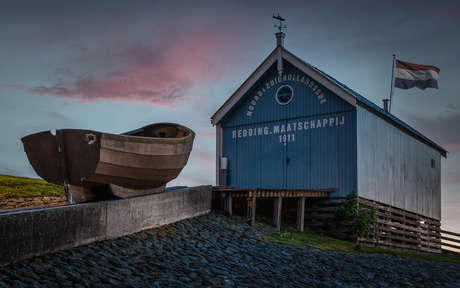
<point x="323" y="80"/>
<point x="272" y="58"/>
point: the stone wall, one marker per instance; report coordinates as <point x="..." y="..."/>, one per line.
<point x="35" y="232"/>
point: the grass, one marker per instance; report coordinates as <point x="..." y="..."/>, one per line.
<point x="15" y="187"/>
<point x="312" y="240"/>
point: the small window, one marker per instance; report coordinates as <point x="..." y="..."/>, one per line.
<point x="433" y="163"/>
<point x="284" y="95"/>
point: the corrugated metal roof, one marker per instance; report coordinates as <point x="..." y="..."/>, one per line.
<point x="383" y="113"/>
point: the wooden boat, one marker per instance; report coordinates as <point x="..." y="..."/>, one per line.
<point x="93" y="166"/>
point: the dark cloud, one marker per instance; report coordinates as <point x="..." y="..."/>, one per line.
<point x="440" y="129"/>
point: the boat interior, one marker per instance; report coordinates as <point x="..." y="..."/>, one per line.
<point x="163" y="130"/>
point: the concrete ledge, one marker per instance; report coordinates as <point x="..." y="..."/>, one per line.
<point x="31" y="233"/>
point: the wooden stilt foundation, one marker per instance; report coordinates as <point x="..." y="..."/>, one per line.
<point x="251" y="195"/>
<point x="277" y="212"/>
<point x="300" y="214"/>
<point x="251" y="212"/>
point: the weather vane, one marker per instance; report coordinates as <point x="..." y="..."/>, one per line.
<point x="280" y="26"/>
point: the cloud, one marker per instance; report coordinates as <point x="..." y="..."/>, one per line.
<point x="163" y="89"/>
<point x="159" y="70"/>
<point x="439" y="129"/>
<point x="148" y="53"/>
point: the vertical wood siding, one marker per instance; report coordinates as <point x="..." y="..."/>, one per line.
<point x="306" y="144"/>
<point x="309" y="99"/>
<point x="395" y="168"/>
<point x="324" y="157"/>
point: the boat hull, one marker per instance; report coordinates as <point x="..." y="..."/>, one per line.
<point x="92" y="164"/>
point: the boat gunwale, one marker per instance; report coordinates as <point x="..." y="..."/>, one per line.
<point x="145" y="139"/>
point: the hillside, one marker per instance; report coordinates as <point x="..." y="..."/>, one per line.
<point x="22" y="187"/>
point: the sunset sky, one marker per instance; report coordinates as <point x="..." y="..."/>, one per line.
<point x="114" y="66"/>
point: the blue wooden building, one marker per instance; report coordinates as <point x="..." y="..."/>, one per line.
<point x="290" y="126"/>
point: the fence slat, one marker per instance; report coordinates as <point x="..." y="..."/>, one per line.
<point x="450" y="239"/>
<point x="452" y="245"/>
<point x="450" y="233"/>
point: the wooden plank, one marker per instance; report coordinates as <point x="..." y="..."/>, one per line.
<point x="239" y="194"/>
<point x="450" y="239"/>
<point x="450" y="245"/>
<point x="319" y="216"/>
<point x="229" y="204"/>
<point x="450" y="233"/>
<point x="399" y="235"/>
<point x="397" y="218"/>
<point x="431" y="245"/>
<point x="388" y="208"/>
<point x="430" y="233"/>
<point x="434" y="245"/>
<point x="436" y="230"/>
<point x="332" y="201"/>
<point x="277" y="212"/>
<point x="251" y="210"/>
<point x="287" y="193"/>
<point x="429" y="239"/>
<point x="300" y="214"/>
<point x="322" y="209"/>
<point x="398" y="225"/>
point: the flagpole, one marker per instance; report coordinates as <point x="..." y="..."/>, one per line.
<point x="392" y="90"/>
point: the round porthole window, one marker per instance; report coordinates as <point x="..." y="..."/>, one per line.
<point x="284" y="95"/>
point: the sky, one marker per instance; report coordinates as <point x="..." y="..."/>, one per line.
<point x="114" y="66"/>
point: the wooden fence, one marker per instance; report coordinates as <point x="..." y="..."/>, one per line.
<point x="395" y="229"/>
<point x="453" y="243"/>
<point x="403" y="230"/>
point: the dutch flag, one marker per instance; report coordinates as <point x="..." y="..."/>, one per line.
<point x="409" y="75"/>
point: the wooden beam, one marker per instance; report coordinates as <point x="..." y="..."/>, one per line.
<point x="300" y="213"/>
<point x="228" y="204"/>
<point x="450" y="233"/>
<point x="251" y="210"/>
<point x="278" y="201"/>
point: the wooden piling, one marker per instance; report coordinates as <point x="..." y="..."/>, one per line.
<point x="300" y="213"/>
<point x="278" y="201"/>
<point x="251" y="210"/>
<point x="228" y="204"/>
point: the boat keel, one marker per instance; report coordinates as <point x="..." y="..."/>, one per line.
<point x="122" y="192"/>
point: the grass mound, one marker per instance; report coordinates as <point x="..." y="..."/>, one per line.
<point x="15" y="187"/>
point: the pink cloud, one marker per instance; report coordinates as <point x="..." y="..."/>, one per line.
<point x="162" y="73"/>
<point x="156" y="88"/>
<point x="150" y="54"/>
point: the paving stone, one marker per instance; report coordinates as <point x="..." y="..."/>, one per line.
<point x="216" y="250"/>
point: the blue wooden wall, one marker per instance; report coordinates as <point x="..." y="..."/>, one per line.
<point x="309" y="143"/>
